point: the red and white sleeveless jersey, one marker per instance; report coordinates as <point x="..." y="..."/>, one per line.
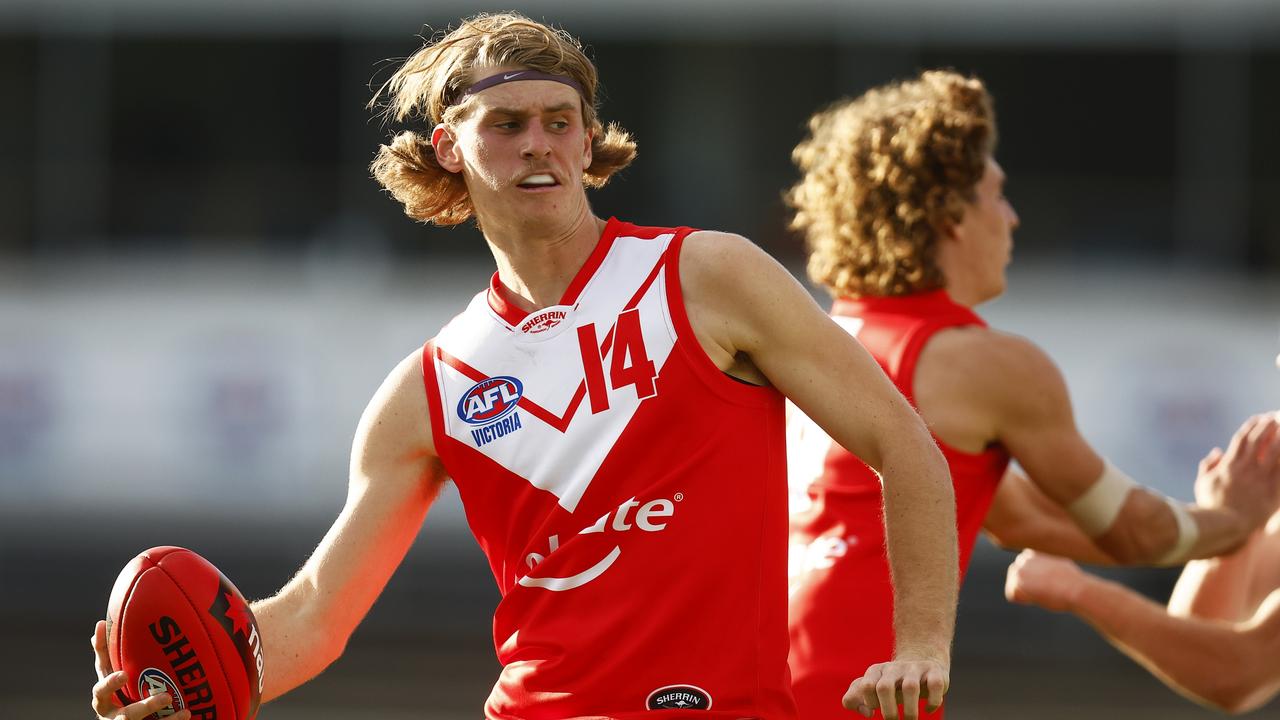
<point x="630" y="497"/>
<point x="841" y="596"/>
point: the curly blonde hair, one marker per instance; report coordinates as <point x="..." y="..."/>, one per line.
<point x="429" y="86"/>
<point x="883" y="175"/>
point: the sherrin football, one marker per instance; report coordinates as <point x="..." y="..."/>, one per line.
<point x="175" y="624"/>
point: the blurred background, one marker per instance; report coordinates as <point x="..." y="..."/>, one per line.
<point x="200" y="286"/>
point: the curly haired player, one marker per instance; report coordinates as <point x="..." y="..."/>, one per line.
<point x="611" y="411"/>
<point x="902" y="204"/>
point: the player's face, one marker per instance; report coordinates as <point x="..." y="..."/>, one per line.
<point x="986" y="232"/>
<point x="522" y="148"/>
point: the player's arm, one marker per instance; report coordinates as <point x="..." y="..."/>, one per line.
<point x="1031" y="415"/>
<point x="752" y="316"/>
<point x="1229" y="665"/>
<point x="1023" y="517"/>
<point x="395" y="475"/>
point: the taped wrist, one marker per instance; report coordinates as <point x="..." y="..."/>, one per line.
<point x="1188" y="533"/>
<point x="1097" y="508"/>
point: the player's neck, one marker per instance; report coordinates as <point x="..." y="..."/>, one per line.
<point x="537" y="264"/>
<point x="963" y="293"/>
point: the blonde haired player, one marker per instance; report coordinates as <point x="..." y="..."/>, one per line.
<point x="903" y="208"/>
<point x="611" y="412"/>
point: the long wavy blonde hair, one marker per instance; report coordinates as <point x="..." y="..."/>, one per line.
<point x="429" y="86"/>
<point x="883" y="175"/>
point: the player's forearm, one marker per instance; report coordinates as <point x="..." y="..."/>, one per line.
<point x="296" y="644"/>
<point x="1220" y="531"/>
<point x="307" y="624"/>
<point x="921" y="541"/>
<point x="1198" y="658"/>
<point x="1023" y="518"/>
<point x="1055" y="537"/>
<point x="1147" y="531"/>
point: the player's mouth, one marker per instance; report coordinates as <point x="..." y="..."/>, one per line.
<point x="540" y="181"/>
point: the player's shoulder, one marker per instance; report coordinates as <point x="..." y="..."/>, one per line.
<point x="724" y="260"/>
<point x="988" y="347"/>
<point x="998" y="364"/>
<point x="715" y="247"/>
<point x="397" y="412"/>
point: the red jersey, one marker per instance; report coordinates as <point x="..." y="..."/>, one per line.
<point x="841" y="602"/>
<point x="630" y="497"/>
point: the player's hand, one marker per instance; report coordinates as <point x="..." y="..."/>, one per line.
<point x="1245" y="478"/>
<point x="903" y="681"/>
<point x="1045" y="580"/>
<point x="104" y="701"/>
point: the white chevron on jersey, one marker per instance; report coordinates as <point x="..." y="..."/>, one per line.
<point x="560" y="443"/>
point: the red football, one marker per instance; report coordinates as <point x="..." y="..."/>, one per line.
<point x="175" y="624"/>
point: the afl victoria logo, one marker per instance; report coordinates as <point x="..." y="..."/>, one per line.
<point x="490" y="399"/>
<point x="153" y="682"/>
<point x="679" y="697"/>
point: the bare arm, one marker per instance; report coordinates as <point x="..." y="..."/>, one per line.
<point x="1030" y="412"/>
<point x="1230" y="665"/>
<point x="394" y="478"/>
<point x="1022" y="516"/>
<point x="754" y="319"/>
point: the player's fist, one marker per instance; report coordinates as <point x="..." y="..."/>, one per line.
<point x="904" y="681"/>
<point x="1045" y="580"/>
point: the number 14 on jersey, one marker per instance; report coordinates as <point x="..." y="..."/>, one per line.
<point x="629" y="363"/>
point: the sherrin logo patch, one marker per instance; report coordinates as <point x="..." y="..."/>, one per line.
<point x="679" y="697"/>
<point x="543" y="321"/>
<point x="490" y="400"/>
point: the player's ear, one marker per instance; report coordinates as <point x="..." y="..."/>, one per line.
<point x="445" y="144"/>
<point x="588" y="138"/>
<point x="950" y="232"/>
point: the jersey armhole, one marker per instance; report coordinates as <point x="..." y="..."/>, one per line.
<point x="713" y="377"/>
<point x="435" y="408"/>
<point x="910" y="357"/>
<point x="907" y="377"/>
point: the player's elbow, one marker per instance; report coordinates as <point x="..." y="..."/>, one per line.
<point x="1243" y="679"/>
<point x="1232" y="695"/>
<point x="329" y="637"/>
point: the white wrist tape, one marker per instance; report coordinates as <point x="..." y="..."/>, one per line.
<point x="1188" y="533"/>
<point x="1097" y="508"/>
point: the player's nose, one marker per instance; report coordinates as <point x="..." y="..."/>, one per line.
<point x="536" y="142"/>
